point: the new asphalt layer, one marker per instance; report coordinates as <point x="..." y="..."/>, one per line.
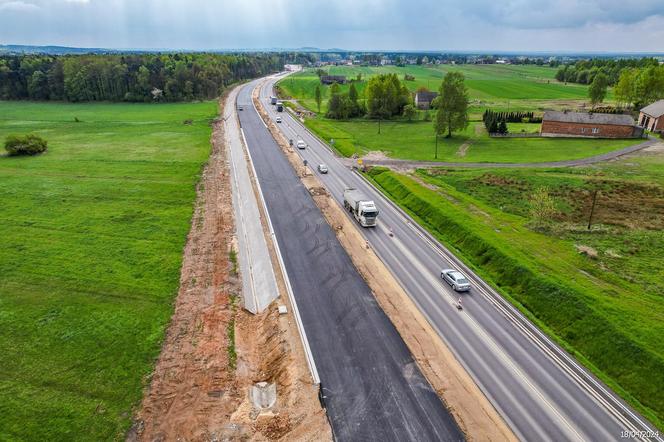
<point x="540" y="390"/>
<point x="372" y="387"/>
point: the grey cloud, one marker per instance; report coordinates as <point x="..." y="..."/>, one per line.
<point x="353" y="24"/>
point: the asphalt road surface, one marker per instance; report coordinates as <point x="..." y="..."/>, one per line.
<point x="373" y="388"/>
<point x="542" y="393"/>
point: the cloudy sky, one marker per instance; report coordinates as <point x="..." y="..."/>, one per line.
<point x="501" y="25"/>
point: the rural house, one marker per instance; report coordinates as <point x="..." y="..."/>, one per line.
<point x="423" y="99"/>
<point x="330" y="79"/>
<point x="588" y="124"/>
<point x="652" y="117"/>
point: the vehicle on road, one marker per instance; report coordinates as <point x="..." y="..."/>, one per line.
<point x="361" y="207"/>
<point x="322" y="168"/>
<point x="290" y="142"/>
<point x="456" y="280"/>
<point x="278" y="120"/>
<point x="273" y="100"/>
<point x="240" y="108"/>
<point x="301" y="144"/>
<point x="280" y="106"/>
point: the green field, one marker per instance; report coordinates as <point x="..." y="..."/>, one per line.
<point x="517" y="87"/>
<point x="415" y="141"/>
<point x="498" y="87"/>
<point x="91" y="248"/>
<point x="605" y="306"/>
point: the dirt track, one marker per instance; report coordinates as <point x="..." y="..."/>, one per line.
<point x="195" y="392"/>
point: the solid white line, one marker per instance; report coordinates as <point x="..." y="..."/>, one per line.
<point x="289" y="288"/>
<point x="517" y="319"/>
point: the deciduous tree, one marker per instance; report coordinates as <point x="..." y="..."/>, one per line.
<point x="542" y="207"/>
<point x="452" y="114"/>
<point x="597" y="89"/>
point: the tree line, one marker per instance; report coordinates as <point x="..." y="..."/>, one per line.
<point x="584" y="71"/>
<point x="129" y="77"/>
<point x="640" y="86"/>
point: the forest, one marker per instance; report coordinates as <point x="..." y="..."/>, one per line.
<point x="141" y="77"/>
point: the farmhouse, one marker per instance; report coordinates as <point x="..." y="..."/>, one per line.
<point x="588" y="124"/>
<point x="652" y="117"/>
<point x="329" y="79"/>
<point x="423" y="99"/>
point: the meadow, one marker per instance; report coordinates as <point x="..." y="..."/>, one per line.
<point x="93" y="233"/>
<point x="604" y="305"/>
<point x="416" y="141"/>
<point x="498" y="87"/>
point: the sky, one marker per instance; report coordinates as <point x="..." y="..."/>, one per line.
<point x="465" y="25"/>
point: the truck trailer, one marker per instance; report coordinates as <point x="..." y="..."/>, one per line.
<point x="273" y="100"/>
<point x="362" y="208"/>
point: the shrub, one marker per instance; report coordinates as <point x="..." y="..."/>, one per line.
<point x="27" y="145"/>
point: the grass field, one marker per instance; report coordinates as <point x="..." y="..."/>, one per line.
<point x="415" y="141"/>
<point x="498" y="87"/>
<point x="607" y="306"/>
<point x="517" y="87"/>
<point x="93" y="232"/>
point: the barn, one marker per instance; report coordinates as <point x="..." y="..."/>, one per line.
<point x="652" y="117"/>
<point x="588" y="124"/>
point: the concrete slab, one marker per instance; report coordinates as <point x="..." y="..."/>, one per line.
<point x="259" y="285"/>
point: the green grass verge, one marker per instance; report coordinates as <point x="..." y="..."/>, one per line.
<point x="608" y="323"/>
<point x="91" y="248"/>
<point x="415" y="141"/>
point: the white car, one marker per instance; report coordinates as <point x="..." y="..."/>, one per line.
<point x="456" y="280"/>
<point x="301" y="144"/>
<point x="278" y="120"/>
<point x="322" y="168"/>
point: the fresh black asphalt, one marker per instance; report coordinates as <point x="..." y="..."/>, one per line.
<point x="372" y="386"/>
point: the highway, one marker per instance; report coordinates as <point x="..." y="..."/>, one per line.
<point x="541" y="392"/>
<point x="372" y="387"/>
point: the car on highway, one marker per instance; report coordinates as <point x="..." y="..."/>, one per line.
<point x="301" y="144"/>
<point x="456" y="280"/>
<point x="240" y="108"/>
<point x="322" y="168"/>
<point x="278" y="120"/>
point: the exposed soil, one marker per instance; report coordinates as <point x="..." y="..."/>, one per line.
<point x="198" y="392"/>
<point x="472" y="411"/>
<point x="375" y="155"/>
<point x="463" y="149"/>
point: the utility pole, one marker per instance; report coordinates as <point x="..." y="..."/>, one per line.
<point x="592" y="209"/>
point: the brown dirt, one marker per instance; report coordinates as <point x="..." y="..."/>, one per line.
<point x="375" y="155"/>
<point x="195" y="393"/>
<point x="463" y="149"/>
<point x="472" y="411"/>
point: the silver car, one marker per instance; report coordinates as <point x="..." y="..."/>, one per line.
<point x="456" y="280"/>
<point x="301" y="144"/>
<point x="322" y="168"/>
<point x="278" y="119"/>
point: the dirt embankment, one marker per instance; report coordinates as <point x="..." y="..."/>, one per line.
<point x="214" y="351"/>
<point x="472" y="411"/>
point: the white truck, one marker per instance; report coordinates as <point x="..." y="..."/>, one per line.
<point x="362" y="208"/>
